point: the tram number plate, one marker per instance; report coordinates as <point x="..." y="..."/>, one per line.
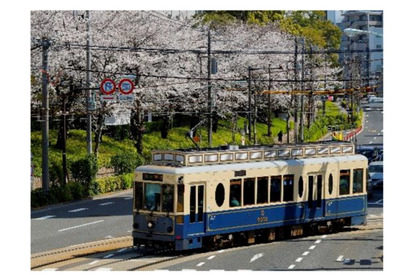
<point x="262" y="219"/>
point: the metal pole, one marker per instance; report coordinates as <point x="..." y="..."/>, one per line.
<point x="249" y="105"/>
<point x="89" y="132"/>
<point x="269" y="106"/>
<point x="296" y="97"/>
<point x="45" y="107"/>
<point x="65" y="172"/>
<point x="302" y="87"/>
<point x="209" y="92"/>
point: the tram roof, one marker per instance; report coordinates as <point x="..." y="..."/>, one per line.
<point x="247" y="165"/>
<point x="249" y="154"/>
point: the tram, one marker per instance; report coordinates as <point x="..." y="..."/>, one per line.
<point x="218" y="197"/>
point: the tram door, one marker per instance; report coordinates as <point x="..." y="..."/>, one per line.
<point x="315" y="207"/>
<point x="196" y="208"/>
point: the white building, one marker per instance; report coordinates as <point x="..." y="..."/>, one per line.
<point x="368" y="47"/>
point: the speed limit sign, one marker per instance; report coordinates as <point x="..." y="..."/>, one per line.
<point x="126" y="86"/>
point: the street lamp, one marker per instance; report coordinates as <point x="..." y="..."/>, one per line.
<point x="352" y="32"/>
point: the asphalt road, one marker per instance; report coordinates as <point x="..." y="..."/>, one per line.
<point x="85" y="221"/>
<point x="373" y="125"/>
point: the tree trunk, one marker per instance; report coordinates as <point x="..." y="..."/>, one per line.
<point x="137" y="127"/>
<point x="98" y="134"/>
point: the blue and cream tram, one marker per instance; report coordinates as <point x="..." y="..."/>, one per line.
<point x="190" y="199"/>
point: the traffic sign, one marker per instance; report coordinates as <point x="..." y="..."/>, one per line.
<point x="126" y="86"/>
<point x="107" y="86"/>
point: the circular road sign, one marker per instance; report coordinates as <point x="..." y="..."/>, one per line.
<point x="107" y="86"/>
<point x="126" y="86"/>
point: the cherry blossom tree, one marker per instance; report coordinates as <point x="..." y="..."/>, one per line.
<point x="169" y="60"/>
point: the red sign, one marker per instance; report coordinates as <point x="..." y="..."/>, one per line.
<point x="126" y="86"/>
<point x="107" y="86"/>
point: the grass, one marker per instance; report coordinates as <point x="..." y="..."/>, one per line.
<point x="77" y="144"/>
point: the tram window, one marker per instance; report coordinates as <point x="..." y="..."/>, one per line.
<point x="249" y="191"/>
<point x="319" y="191"/>
<point x="357" y="180"/>
<point x="235" y="193"/>
<point x="344" y="183"/>
<point x="180" y="204"/>
<point x="220" y="194"/>
<point x="138" y="195"/>
<point x="275" y="187"/>
<point x="200" y="203"/>
<point x="288" y="188"/>
<point x="300" y="186"/>
<point x="262" y="196"/>
<point x="192" y="204"/>
<point x="167" y="198"/>
<point x="330" y="184"/>
<point x="152" y="196"/>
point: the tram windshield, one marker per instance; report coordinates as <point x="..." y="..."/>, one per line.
<point x="159" y="197"/>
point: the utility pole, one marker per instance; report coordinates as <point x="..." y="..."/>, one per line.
<point x="249" y="104"/>
<point x="269" y="105"/>
<point x="45" y="107"/>
<point x="65" y="172"/>
<point x="209" y="92"/>
<point x="296" y="97"/>
<point x="302" y="88"/>
<point x="89" y="98"/>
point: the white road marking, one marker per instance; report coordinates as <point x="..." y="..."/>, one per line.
<point x="45" y="218"/>
<point x="81" y="225"/>
<point x="375" y="137"/>
<point x="106" y="203"/>
<point x="128" y="198"/>
<point x="188" y="269"/>
<point x="77" y="210"/>
<point x="109" y="237"/>
<point x="257" y="256"/>
<point x="370" y="142"/>
<point x="379" y="201"/>
<point x="108" y="256"/>
<point x="324" y="236"/>
<point x="291" y="266"/>
<point x="318" y="241"/>
<point x="312" y="247"/>
<point x="340" y="258"/>
<point x="211" y="257"/>
<point x="298" y="260"/>
<point x="220" y="251"/>
<point x="103" y="269"/>
<point x="49" y="269"/>
<point x="305" y="253"/>
<point x="200" y="264"/>
<point x="94" y="262"/>
<point x="122" y="250"/>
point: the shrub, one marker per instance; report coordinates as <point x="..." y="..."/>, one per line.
<point x="76" y="190"/>
<point x="84" y="171"/>
<point x="125" y="162"/>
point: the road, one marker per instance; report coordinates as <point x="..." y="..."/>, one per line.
<point x="102" y="218"/>
<point x="373" y="125"/>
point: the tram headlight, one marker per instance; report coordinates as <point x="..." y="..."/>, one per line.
<point x="150" y="224"/>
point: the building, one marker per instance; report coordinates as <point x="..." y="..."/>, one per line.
<point x="366" y="49"/>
